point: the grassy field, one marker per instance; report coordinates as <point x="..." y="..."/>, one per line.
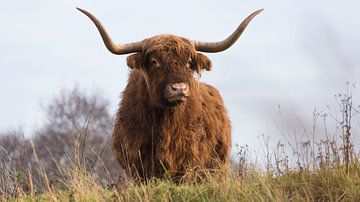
<point x="327" y="178"/>
<point x="321" y="185"/>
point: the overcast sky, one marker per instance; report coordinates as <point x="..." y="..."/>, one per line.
<point x="297" y="54"/>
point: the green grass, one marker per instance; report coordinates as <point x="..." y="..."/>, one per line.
<point x="321" y="185"/>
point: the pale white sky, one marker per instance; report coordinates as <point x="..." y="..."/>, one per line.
<point x="296" y="53"/>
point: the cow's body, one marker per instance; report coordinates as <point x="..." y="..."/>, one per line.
<point x="149" y="141"/>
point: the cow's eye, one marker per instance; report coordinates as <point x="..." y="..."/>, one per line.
<point x="154" y="62"/>
<point x="189" y="63"/>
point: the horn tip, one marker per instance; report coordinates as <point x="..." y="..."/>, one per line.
<point x="259" y="11"/>
<point x="80" y="9"/>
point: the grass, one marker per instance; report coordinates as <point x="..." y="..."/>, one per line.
<point x="322" y="185"/>
<point x="295" y="186"/>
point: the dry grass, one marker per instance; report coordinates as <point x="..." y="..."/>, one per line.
<point x="322" y="185"/>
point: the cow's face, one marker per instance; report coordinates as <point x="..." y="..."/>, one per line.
<point x="168" y="64"/>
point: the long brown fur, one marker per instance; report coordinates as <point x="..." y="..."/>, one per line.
<point x="152" y="139"/>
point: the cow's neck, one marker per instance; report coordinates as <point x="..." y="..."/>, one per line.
<point x="184" y="115"/>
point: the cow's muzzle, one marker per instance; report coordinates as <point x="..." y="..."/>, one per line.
<point x="177" y="92"/>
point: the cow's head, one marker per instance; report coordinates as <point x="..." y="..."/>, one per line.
<point x="167" y="62"/>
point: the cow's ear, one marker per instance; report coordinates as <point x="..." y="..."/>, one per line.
<point x="203" y="63"/>
<point x="134" y="61"/>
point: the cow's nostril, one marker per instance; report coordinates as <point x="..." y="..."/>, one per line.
<point x="173" y="87"/>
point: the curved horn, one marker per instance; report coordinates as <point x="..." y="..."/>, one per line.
<point x="118" y="49"/>
<point x="213" y="47"/>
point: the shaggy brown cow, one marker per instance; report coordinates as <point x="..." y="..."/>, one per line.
<point x="169" y="122"/>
